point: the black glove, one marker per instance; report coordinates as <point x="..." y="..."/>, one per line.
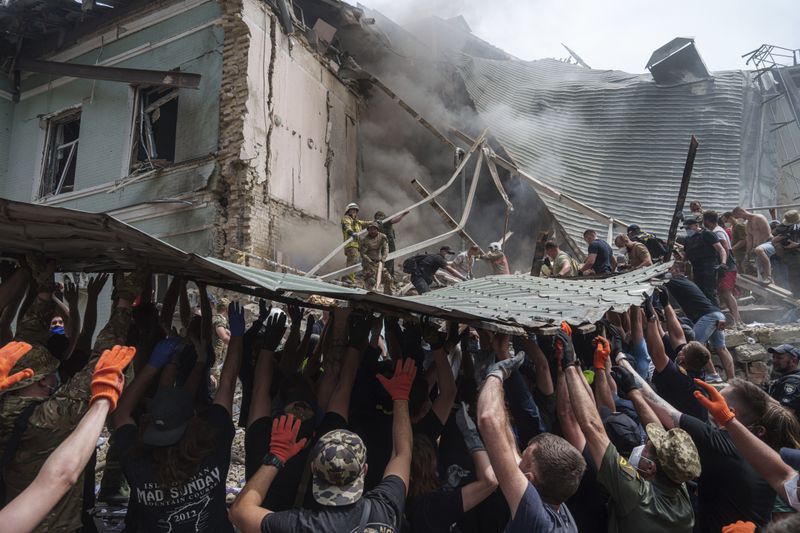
<point x="565" y="352"/>
<point x="359" y="329"/>
<point x="453" y="335"/>
<point x="273" y="331"/>
<point x="503" y="369"/>
<point x="263" y="310"/>
<point x="649" y="312"/>
<point x="624" y="379"/>
<point x="468" y="430"/>
<point x="614" y="337"/>
<point x="663" y="296"/>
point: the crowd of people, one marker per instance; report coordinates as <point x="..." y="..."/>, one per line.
<point x="354" y="421"/>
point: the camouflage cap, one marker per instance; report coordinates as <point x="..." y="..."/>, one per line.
<point x="338" y="465"/>
<point x="676" y="452"/>
<point x="37" y="359"/>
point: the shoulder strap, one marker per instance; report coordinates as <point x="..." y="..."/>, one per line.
<point x="362" y="525"/>
<point x="20" y="425"/>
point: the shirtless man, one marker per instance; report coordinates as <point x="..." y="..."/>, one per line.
<point x="758" y="238"/>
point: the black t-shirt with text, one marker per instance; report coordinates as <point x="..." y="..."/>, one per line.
<point x="691" y="299"/>
<point x="602" y="260"/>
<point x="728" y="488"/>
<point x="387" y="502"/>
<point x="194" y="506"/>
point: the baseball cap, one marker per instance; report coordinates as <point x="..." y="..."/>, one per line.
<point x="785" y="348"/>
<point x="677" y="454"/>
<point x="690" y="221"/>
<point x="373" y="224"/>
<point x="623" y="432"/>
<point x="633" y="227"/>
<point x="169" y="411"/>
<point x="338" y="466"/>
<point x="446" y="249"/>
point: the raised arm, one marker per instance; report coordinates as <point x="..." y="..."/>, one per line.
<point x="654" y="343"/>
<point x="485" y="483"/>
<point x="233" y="359"/>
<point x="169" y="303"/>
<point x="399" y="388"/>
<point x="544" y="382"/>
<point x="665" y="412"/>
<point x="359" y="328"/>
<point x="674" y="328"/>
<point x="566" y="418"/>
<point x="93" y="289"/>
<point x="629" y="386"/>
<point x="761" y="457"/>
<point x="246" y="512"/>
<point x="495" y="427"/>
<point x="261" y="401"/>
<point x="444" y="375"/>
<point x="602" y="389"/>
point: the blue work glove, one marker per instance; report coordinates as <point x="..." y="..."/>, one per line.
<point x="163" y="352"/>
<point x="236" y="319"/>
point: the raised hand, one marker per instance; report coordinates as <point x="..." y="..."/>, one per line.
<point x="9" y="355"/>
<point x="624" y="379"/>
<point x="565" y="351"/>
<point x="284" y="444"/>
<point x="468" y="430"/>
<point x="107" y="381"/>
<point x="273" y="331"/>
<point x="163" y="352"/>
<point x="602" y="351"/>
<point x="263" y="310"/>
<point x="715" y="403"/>
<point x="503" y="369"/>
<point x="358" y="330"/>
<point x="236" y="319"/>
<point x="399" y="386"/>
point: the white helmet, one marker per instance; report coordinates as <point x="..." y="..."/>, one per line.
<point x="495" y="247"/>
<point x="351" y="206"/>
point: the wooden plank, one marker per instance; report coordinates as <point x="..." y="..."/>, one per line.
<point x="771" y="292"/>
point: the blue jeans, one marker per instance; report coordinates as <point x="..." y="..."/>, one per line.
<point x="642" y="358"/>
<point x="705" y="329"/>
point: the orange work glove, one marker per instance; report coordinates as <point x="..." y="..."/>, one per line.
<point x="566" y="328"/>
<point x="9" y="355"/>
<point x="739" y="527"/>
<point x="107" y="381"/>
<point x="602" y="351"/>
<point x="284" y="444"/>
<point x="715" y="403"/>
<point x="399" y="387"/>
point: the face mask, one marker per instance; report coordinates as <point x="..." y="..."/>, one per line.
<point x="636" y="455"/>
<point x="791" y="492"/>
<point x="668" y="275"/>
<point x="690" y="232"/>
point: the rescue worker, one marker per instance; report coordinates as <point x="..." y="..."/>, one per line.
<point x="638" y="254"/>
<point x="351" y="227"/>
<point x="786" y="389"/>
<point x="561" y="264"/>
<point x="786" y="242"/>
<point x="497" y="258"/>
<point x="374" y="247"/>
<point x="387" y="228"/>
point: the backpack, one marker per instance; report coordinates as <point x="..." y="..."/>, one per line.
<point x="411" y="265"/>
<point x="657" y="247"/>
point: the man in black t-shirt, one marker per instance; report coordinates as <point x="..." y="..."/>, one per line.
<point x="786" y="241"/>
<point x="427" y="265"/>
<point x="706" y="254"/>
<point x="338" y="468"/>
<point x="599" y="256"/>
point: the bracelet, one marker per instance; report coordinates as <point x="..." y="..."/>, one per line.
<point x="272" y="460"/>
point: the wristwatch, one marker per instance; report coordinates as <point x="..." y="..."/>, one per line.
<point x="272" y="460"/>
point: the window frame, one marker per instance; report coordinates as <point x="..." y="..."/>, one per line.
<point x="51" y="123"/>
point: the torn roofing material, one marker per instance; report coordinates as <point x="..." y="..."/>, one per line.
<point x="532" y="301"/>
<point x="94" y="242"/>
<point x="617" y="141"/>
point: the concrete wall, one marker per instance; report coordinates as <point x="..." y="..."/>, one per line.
<point x="299" y="141"/>
<point x="166" y="36"/>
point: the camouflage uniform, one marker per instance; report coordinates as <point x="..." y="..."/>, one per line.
<point x="373" y="252"/>
<point x="54" y="419"/>
<point x="352" y="257"/>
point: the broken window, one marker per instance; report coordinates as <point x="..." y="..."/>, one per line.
<point x="155" y="124"/>
<point x="60" y="153"/>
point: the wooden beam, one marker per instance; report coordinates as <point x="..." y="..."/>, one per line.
<point x="771" y="292"/>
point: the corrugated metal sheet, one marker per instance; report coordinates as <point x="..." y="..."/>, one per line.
<point x="614" y="140"/>
<point x="93" y="242"/>
<point x="531" y="301"/>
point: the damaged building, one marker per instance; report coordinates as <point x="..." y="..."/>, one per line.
<point x="241" y="129"/>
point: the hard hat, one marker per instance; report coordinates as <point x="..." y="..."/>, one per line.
<point x="351" y="206"/>
<point x="495" y="247"/>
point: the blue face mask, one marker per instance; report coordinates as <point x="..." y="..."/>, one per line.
<point x="57" y="330"/>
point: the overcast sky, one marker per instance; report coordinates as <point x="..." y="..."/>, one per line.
<point x="616" y="34"/>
